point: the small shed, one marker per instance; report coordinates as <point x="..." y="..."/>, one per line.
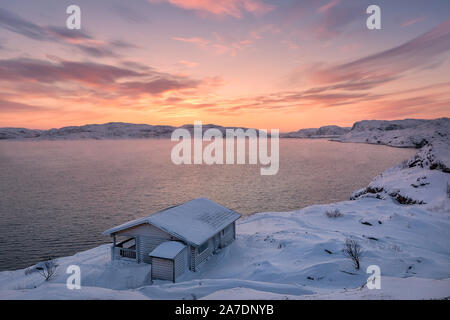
<point x="169" y="260"/>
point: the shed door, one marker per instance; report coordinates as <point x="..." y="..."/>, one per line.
<point x="162" y="269"/>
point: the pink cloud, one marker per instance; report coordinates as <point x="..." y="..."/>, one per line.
<point x="220" y="45"/>
<point x="328" y="6"/>
<point x="194" y="40"/>
<point x="258" y="33"/>
<point x="412" y="21"/>
<point x="290" y="44"/>
<point x="234" y="8"/>
<point x="334" y="19"/>
<point x="187" y="64"/>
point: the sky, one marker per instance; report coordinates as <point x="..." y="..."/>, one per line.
<point x="264" y="64"/>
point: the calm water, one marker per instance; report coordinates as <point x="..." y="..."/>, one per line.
<point x="56" y="197"/>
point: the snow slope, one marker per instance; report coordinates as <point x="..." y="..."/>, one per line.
<point x="423" y="179"/>
<point x="408" y="133"/>
<point x="401" y="220"/>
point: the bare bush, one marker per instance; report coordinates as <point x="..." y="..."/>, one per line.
<point x="47" y="269"/>
<point x="353" y="251"/>
<point x="334" y="213"/>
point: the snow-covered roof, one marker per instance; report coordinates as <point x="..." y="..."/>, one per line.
<point x="194" y="221"/>
<point x="167" y="250"/>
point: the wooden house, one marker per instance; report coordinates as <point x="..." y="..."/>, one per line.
<point x="176" y="239"/>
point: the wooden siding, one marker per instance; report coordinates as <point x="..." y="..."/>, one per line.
<point x="201" y="257"/>
<point x="162" y="269"/>
<point x="180" y="263"/>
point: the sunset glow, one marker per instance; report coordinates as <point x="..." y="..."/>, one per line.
<point x="252" y="63"/>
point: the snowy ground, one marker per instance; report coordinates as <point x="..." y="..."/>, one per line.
<point x="280" y="256"/>
<point x="401" y="220"/>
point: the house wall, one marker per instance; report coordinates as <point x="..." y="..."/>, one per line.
<point x="201" y="257"/>
<point x="224" y="239"/>
<point x="180" y="263"/>
<point x="198" y="258"/>
<point x="148" y="237"/>
<point x="228" y="235"/>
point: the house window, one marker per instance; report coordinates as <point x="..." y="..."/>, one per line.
<point x="202" y="248"/>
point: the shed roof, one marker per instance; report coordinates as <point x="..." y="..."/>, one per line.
<point x="167" y="250"/>
<point x="194" y="221"/>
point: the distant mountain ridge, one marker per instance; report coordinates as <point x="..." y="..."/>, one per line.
<point x="397" y="133"/>
<point x="406" y="133"/>
<point x="111" y="130"/>
<point x="121" y="130"/>
<point x="322" y="132"/>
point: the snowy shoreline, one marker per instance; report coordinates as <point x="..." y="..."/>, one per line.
<point x="401" y="220"/>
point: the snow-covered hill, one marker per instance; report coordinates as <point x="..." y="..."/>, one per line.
<point x="401" y="220"/>
<point x="111" y="130"/>
<point x="398" y="133"/>
<point x="322" y="132"/>
<point x="423" y="179"/>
